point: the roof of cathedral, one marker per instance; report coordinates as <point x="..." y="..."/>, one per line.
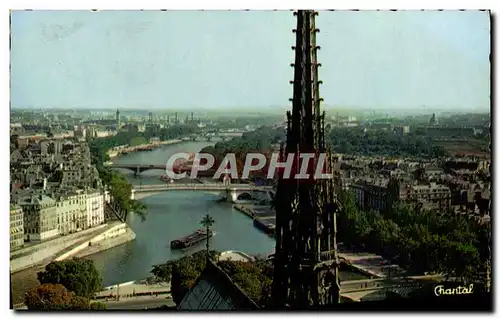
<point x="214" y="290"/>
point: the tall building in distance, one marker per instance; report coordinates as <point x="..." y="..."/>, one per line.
<point x="433" y="120"/>
<point x="305" y="260"/>
<point x="118" y="122"/>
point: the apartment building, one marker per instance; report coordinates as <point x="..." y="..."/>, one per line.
<point x="16" y="227"/>
<point x="67" y="208"/>
<point x="431" y="196"/>
<point x="95" y="208"/>
<point x="39" y="217"/>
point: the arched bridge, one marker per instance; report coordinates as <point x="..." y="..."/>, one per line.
<point x="139" y="168"/>
<point x="178" y="168"/>
<point x="232" y="192"/>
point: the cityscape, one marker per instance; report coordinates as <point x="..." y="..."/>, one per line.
<point x="401" y="222"/>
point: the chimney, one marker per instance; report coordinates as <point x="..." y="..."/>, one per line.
<point x="45" y="184"/>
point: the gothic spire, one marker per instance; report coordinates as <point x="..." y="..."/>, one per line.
<point x="305" y="261"/>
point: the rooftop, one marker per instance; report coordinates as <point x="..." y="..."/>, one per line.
<point x="214" y="290"/>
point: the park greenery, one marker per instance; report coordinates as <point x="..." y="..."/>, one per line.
<point x="342" y="140"/>
<point x="264" y="140"/>
<point x="261" y="140"/>
<point x="132" y="137"/>
<point x="66" y="285"/>
<point x="382" y="142"/>
<point x="417" y="239"/>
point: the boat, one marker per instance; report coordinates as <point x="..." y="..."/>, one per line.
<point x="187" y="241"/>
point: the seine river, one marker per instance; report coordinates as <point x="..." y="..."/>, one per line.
<point x="170" y="215"/>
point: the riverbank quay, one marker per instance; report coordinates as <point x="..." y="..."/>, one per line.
<point x="264" y="218"/>
<point x="108" y="236"/>
<point x="133" y="289"/>
<point x="105" y="236"/>
<point x="42" y="253"/>
<point x="117" y="234"/>
<point x="235" y="255"/>
<point x="370" y="264"/>
<point x="150" y="146"/>
<point x="142" y="303"/>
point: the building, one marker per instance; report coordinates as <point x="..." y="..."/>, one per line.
<point x="372" y="194"/>
<point x="402" y="129"/>
<point x="81" y="217"/>
<point x="95" y="208"/>
<point x="432" y="196"/>
<point x="67" y="209"/>
<point x="39" y="217"/>
<point x="16" y="227"/>
<point x="118" y="121"/>
<point x="215" y="290"/>
<point x="80" y="132"/>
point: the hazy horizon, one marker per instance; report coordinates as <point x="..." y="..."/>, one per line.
<point x="406" y="60"/>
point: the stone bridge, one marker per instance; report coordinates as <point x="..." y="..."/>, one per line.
<point x="375" y="289"/>
<point x="139" y="168"/>
<point x="213" y="136"/>
<point x="232" y="192"/>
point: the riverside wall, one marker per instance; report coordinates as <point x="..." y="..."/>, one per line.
<point x="116" y="153"/>
<point x="115" y="236"/>
<point x="35" y="254"/>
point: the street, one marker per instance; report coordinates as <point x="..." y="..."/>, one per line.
<point x="139" y="303"/>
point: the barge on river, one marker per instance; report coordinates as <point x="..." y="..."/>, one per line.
<point x="191" y="239"/>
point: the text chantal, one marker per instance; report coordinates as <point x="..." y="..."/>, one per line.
<point x="440" y="290"/>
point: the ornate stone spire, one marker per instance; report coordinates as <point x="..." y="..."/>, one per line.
<point x="305" y="261"/>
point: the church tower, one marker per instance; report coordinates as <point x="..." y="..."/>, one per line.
<point x="305" y="260"/>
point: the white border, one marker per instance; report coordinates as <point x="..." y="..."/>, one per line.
<point x="187" y="4"/>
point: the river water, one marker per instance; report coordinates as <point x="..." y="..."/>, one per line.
<point x="170" y="215"/>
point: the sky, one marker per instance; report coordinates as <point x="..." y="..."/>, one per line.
<point x="241" y="59"/>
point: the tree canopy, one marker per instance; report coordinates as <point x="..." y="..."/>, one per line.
<point x="183" y="272"/>
<point x="53" y="297"/>
<point x="419" y="240"/>
<point x="260" y="141"/>
<point x="119" y="188"/>
<point x="77" y="275"/>
<point x="381" y="142"/>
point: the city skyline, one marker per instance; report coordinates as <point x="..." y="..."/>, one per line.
<point x="379" y="60"/>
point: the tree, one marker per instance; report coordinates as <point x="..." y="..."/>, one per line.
<point x="164" y="271"/>
<point x="208" y="221"/>
<point x="57" y="297"/>
<point x="185" y="271"/>
<point x="77" y="275"/>
<point x="120" y="191"/>
<point x="253" y="277"/>
<point x="48" y="297"/>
